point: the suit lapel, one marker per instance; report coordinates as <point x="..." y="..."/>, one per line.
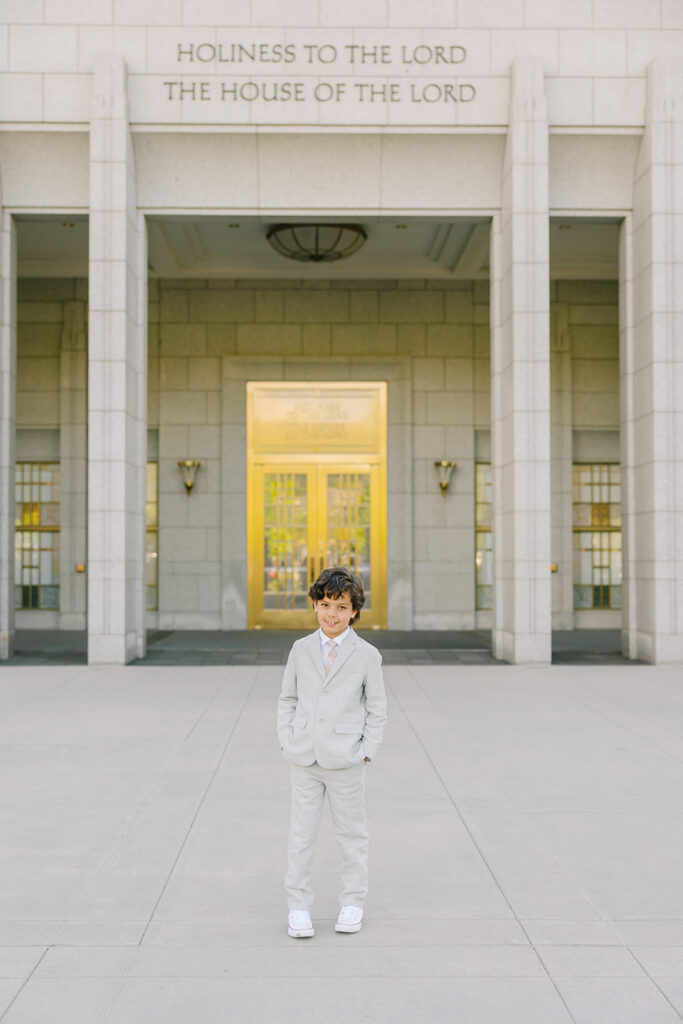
<point x="316" y="653"/>
<point x="343" y="653"/>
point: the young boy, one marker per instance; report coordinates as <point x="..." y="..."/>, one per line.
<point x="331" y="716"/>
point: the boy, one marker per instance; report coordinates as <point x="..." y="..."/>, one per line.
<point x="331" y="716"/>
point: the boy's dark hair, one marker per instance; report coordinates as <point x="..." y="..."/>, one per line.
<point x="335" y="582"/>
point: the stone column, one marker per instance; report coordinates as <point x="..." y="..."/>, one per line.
<point x="520" y="381"/>
<point x="562" y="548"/>
<point x="8" y="388"/>
<point x="651" y="367"/>
<point x="117" y="380"/>
<point x="73" y="414"/>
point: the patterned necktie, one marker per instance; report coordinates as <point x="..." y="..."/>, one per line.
<point x="331" y="655"/>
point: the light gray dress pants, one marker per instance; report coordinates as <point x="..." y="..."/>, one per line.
<point x="345" y="788"/>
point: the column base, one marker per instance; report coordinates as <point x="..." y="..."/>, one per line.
<point x="654" y="649"/>
<point x="522" y="649"/>
<point x="116" y="649"/>
<point x="6" y="645"/>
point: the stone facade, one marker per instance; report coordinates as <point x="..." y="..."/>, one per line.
<point x="484" y="129"/>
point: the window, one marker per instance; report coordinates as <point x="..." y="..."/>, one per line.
<point x="597" y="535"/>
<point x="484" y="545"/>
<point x="151" y="547"/>
<point x="36" y="547"/>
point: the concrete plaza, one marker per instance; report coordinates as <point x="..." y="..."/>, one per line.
<point x="526" y="859"/>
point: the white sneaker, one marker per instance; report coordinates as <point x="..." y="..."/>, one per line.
<point x="300" y="925"/>
<point x="349" y="919"/>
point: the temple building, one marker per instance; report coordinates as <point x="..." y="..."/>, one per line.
<point x="389" y="284"/>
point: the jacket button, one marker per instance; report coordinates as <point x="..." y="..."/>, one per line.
<point x="325" y="691"/>
<point x="321" y="719"/>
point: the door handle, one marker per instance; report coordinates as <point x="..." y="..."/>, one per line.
<point x="312" y="569"/>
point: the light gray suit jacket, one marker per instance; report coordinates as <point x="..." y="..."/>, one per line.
<point x="336" y="720"/>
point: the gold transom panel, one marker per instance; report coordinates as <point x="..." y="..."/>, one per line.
<point x="309" y="418"/>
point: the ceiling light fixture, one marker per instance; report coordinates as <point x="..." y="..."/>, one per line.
<point x="317" y="243"/>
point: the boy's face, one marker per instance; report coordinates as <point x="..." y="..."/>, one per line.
<point x="334" y="614"/>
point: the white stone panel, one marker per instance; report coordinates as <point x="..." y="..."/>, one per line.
<point x="625" y="14"/>
<point x="569" y="101"/>
<point x="620" y="101"/>
<point x="589" y="172"/>
<point x="41" y="170"/>
<point x="146" y="12"/>
<point x="490" y="14"/>
<point x="23" y="12"/>
<point x="326" y="167"/>
<point x="273" y="12"/>
<point x="445" y="172"/>
<point x="672" y="14"/>
<point x="520" y="382"/>
<point x="68" y="98"/>
<point x="353" y="13"/>
<point x="76" y="12"/>
<point x="21" y="97"/>
<point x="642" y="47"/>
<point x="172" y="173"/>
<point x="558" y="14"/>
<point x="43" y="48"/>
<point x="429" y="12"/>
<point x="592" y="53"/>
<point x="506" y="46"/>
<point x="8" y="373"/>
<point x="96" y="39"/>
<point x="213" y="12"/>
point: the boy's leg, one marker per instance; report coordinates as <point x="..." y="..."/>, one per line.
<point x="346" y="796"/>
<point x="308" y="796"/>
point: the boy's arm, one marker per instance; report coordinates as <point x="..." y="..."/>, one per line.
<point x="287" y="702"/>
<point x="375" y="705"/>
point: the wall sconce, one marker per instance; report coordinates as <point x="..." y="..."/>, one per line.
<point x="444" y="468"/>
<point x="188" y="470"/>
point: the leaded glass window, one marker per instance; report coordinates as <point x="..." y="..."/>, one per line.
<point x="597" y="535"/>
<point x="36" y="547"/>
<point x="152" y="535"/>
<point x="483" y="539"/>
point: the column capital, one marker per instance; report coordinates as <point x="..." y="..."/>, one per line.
<point x="110" y="88"/>
<point x="527" y="90"/>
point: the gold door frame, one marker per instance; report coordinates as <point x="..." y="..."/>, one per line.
<point x="315" y="428"/>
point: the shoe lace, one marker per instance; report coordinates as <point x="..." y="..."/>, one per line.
<point x="348" y="913"/>
<point x="299" y="918"/>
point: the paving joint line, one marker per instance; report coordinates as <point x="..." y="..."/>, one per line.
<point x="655" y="983"/>
<point x="24" y="984"/>
<point x="478" y="848"/>
<point x="200" y="804"/>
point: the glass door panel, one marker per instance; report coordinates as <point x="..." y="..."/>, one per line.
<point x="304" y="517"/>
<point x="348" y="539"/>
<point x="281" y="552"/>
<point x="351" y="529"/>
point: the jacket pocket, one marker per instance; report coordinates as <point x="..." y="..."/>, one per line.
<point x="299" y="722"/>
<point x="353" y="728"/>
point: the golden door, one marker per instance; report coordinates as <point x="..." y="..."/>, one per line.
<point x="309" y="510"/>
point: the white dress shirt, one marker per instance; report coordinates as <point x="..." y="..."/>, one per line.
<point x="338" y="640"/>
